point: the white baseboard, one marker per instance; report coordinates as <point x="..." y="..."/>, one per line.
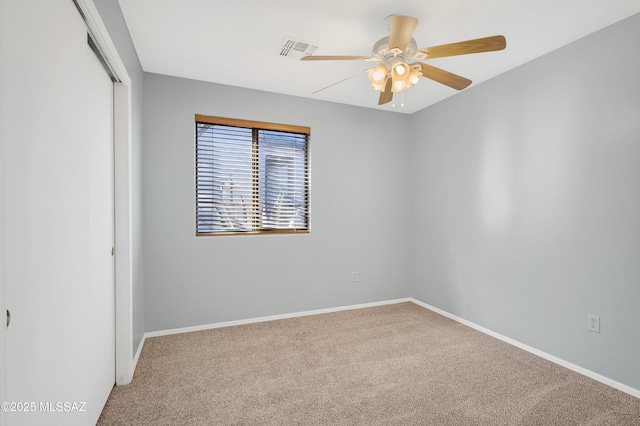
<point x="598" y="377"/>
<point x="134" y="363"/>
<point x="138" y="352"/>
<point x="272" y="318"/>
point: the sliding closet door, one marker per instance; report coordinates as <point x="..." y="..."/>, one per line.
<point x="58" y="210"/>
<point x="101" y="301"/>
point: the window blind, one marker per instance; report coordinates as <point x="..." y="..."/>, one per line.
<point x="251" y="177"/>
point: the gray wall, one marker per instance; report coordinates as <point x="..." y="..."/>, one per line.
<point x="526" y="201"/>
<point x="359" y="199"/>
<point x="114" y="21"/>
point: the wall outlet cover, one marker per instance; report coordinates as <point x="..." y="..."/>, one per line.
<point x="593" y="323"/>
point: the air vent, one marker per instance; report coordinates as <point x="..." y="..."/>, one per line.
<point x="295" y="49"/>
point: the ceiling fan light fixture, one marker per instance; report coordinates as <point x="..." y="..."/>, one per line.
<point x="378" y="76"/>
<point x="401" y="76"/>
<point x="400" y="68"/>
<point x="414" y="75"/>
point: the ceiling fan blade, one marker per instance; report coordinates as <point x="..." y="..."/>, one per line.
<point x="401" y="30"/>
<point x="336" y="58"/>
<point x="387" y="95"/>
<point x="338" y="82"/>
<point x="445" y="77"/>
<point x="479" y="45"/>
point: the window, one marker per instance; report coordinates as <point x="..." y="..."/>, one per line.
<point x="251" y="177"/>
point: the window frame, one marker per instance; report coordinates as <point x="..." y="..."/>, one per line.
<point x="256" y="126"/>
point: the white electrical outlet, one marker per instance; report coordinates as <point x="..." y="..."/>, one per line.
<point x="593" y="323"/>
<point x="354" y="276"/>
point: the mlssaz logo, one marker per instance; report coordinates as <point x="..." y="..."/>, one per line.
<point x="63" y="406"/>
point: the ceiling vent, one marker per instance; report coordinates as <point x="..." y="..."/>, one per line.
<point x="295" y="49"/>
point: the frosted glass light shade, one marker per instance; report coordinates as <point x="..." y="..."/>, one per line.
<point x="378" y="76"/>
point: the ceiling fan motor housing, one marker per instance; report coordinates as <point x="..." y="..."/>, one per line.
<point x="382" y="52"/>
<point x="393" y="62"/>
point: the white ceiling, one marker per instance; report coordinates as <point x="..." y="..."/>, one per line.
<point x="236" y="42"/>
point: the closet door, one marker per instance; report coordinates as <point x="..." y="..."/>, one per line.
<point x="59" y="349"/>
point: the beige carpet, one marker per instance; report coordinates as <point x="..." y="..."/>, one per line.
<point x="389" y="365"/>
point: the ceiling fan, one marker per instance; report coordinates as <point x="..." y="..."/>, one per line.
<point x="394" y="54"/>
